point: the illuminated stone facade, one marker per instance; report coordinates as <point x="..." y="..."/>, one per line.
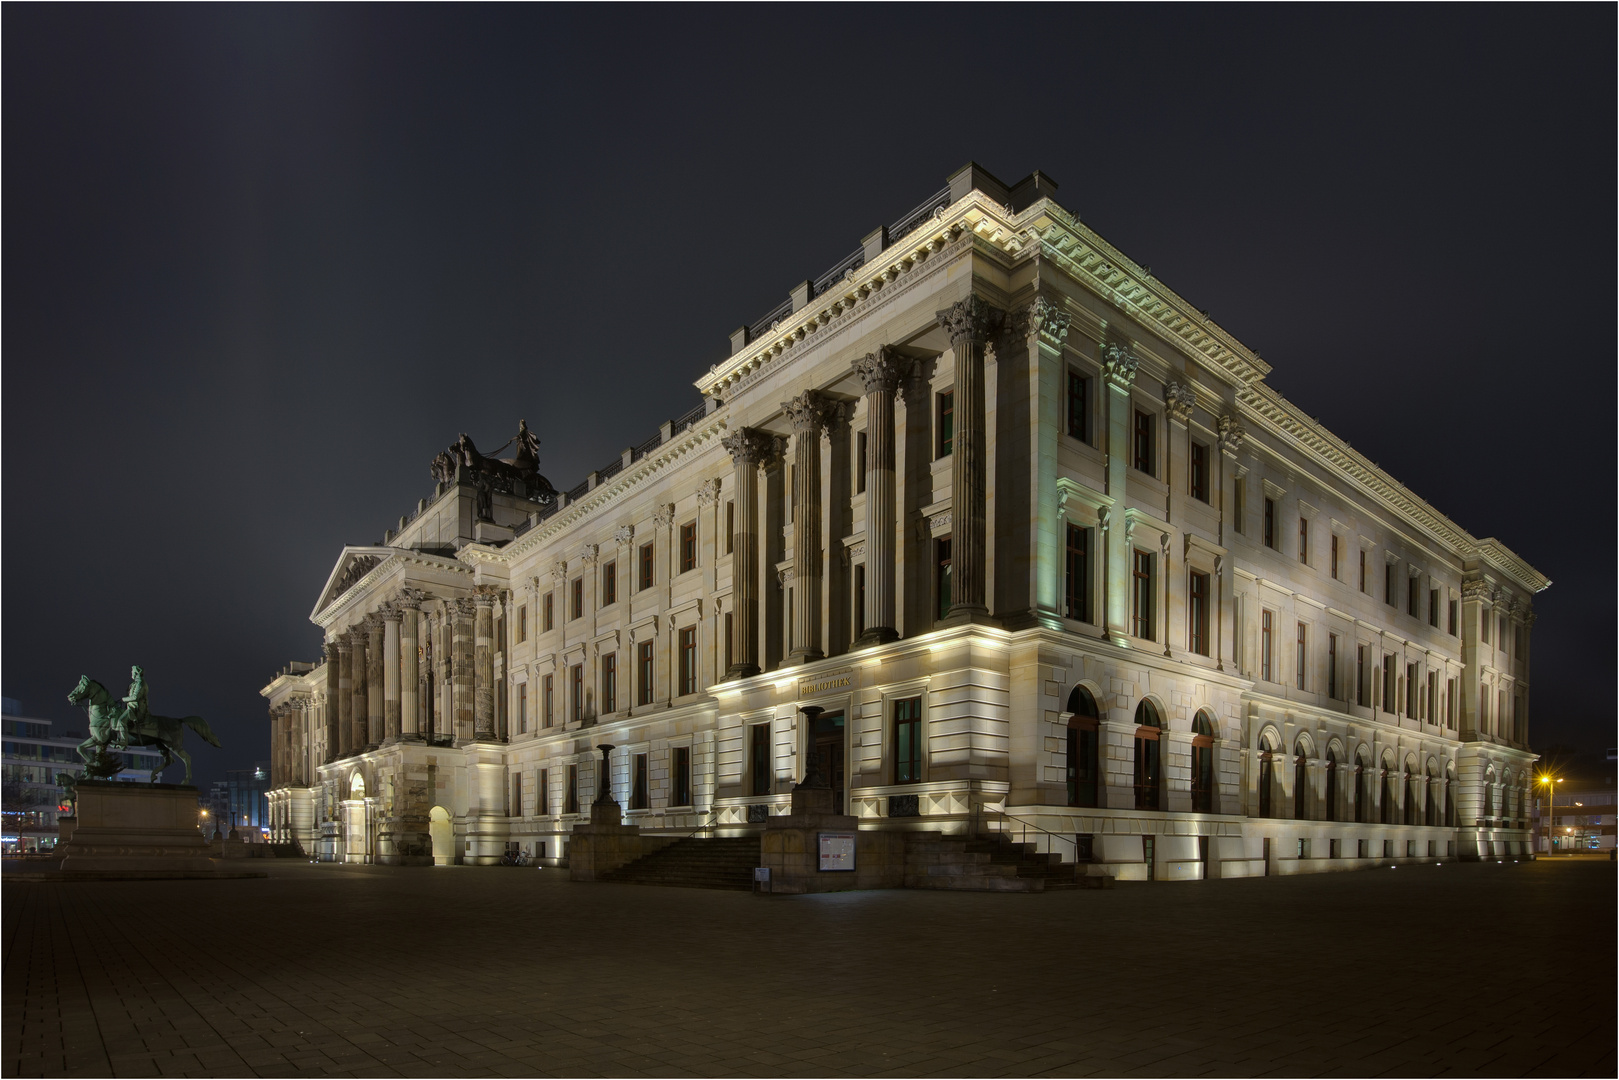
<point x="1031" y="529"/>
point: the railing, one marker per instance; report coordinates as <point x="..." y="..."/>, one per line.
<point x="780" y="311"/>
<point x="711" y="822"/>
<point x="1024" y="825"/>
<point x="838" y="272"/>
<point x="686" y="421"/>
<point x="912" y="218"/>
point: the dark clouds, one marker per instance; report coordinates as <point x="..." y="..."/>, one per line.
<point x="261" y="263"/>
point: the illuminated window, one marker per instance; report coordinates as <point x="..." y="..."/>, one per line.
<point x="578" y="672"/>
<point x="638" y="787"/>
<point x="578" y="598"/>
<point x="1149" y="773"/>
<point x="1266" y="653"/>
<point x="1142" y="595"/>
<point x="548" y="613"/>
<point x="759" y="756"/>
<point x="688" y="546"/>
<point x="609" y="690"/>
<point x="643" y="664"/>
<point x="1270" y="523"/>
<point x="548" y="713"/>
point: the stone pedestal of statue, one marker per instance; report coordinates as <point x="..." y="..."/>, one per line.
<point x="791" y="848"/>
<point x="130" y="831"/>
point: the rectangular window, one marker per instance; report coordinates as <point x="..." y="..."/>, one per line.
<point x="941" y="574"/>
<point x="1332" y="567"/>
<point x="522" y="708"/>
<point x="688" y="546"/>
<point x="859" y="599"/>
<point x="1077" y="574"/>
<point x="542" y="784"/>
<point x="730" y="628"/>
<point x="1304" y="540"/>
<point x="1432" y="712"/>
<point x="1142" y="595"/>
<point x="1388" y="684"/>
<point x="1266" y="647"/>
<point x="1143" y="444"/>
<point x="1363" y="570"/>
<point x="548" y="612"/>
<point x="638" y="788"/>
<point x="643" y="664"/>
<point x="1300" y="659"/>
<point x="759" y="756"/>
<point x="1501" y="633"/>
<point x="548" y="713"/>
<point x="1388" y="584"/>
<point x="1517" y="640"/>
<point x="1411" y="691"/>
<point x="1332" y="666"/>
<point x="860" y="462"/>
<point x="570" y="798"/>
<point x="1413" y="589"/>
<point x="1484" y="627"/>
<point x="610" y="583"/>
<point x="908" y="741"/>
<point x="688" y="660"/>
<point x="1433" y="608"/>
<point x="1450" y="704"/>
<point x="578" y="671"/>
<point x="609" y="691"/>
<point x="730" y="526"/>
<point x="1078" y="407"/>
<point x="1270" y="523"/>
<point x="1363" y="677"/>
<point x="1199" y="471"/>
<point x="947" y="423"/>
<point x="647" y="574"/>
<point x="680" y="778"/>
<point x="522" y="623"/>
<point x="578" y="598"/>
<point x="1239" y="505"/>
<point x="1198" y="613"/>
<point x="1484" y="708"/>
<point x="1450" y="617"/>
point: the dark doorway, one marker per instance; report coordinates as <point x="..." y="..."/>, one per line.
<point x="826" y="744"/>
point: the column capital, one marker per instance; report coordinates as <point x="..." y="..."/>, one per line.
<point x="391" y="611"/>
<point x="624" y="534"/>
<point x="409" y="599"/>
<point x="664" y="516"/>
<point x="708" y="492"/>
<point x="971" y="320"/>
<point x="462" y="606"/>
<point x="1178" y="400"/>
<point x="1231" y="436"/>
<point x="883" y="370"/>
<point x="809" y="412"/>
<point x="749" y="446"/>
<point x="1043" y="319"/>
<point x="1119" y="365"/>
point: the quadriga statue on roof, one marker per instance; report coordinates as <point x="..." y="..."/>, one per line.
<point x="117" y="725"/>
<point x="522" y="467"/>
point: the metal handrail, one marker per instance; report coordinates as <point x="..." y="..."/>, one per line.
<point x="914" y="217"/>
<point x="1026" y="825"/>
<point x="713" y="816"/>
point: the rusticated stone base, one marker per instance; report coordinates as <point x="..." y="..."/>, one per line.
<point x="133" y="831"/>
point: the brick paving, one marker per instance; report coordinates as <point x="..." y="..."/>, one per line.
<point x="1470" y="969"/>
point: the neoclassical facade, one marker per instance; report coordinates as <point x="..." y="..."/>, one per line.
<point x="1032" y="532"/>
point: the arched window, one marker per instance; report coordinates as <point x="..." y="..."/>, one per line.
<point x="1431" y="803"/>
<point x="1149" y="758"/>
<point x="1301" y="781"/>
<point x="1489" y="796"/>
<point x="1363" y="789"/>
<point x="1084" y="762"/>
<point x="1410" y="815"/>
<point x="1385" y="793"/>
<point x="1332" y="784"/>
<point x="1450" y="796"/>
<point x="1267" y="775"/>
<point x="1203" y="763"/>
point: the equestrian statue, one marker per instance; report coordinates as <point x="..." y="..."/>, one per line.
<point x="117" y="725"/>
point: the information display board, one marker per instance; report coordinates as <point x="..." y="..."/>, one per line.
<point x="837" y="850"/>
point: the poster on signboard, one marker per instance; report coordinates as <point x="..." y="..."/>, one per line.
<point x="837" y="850"/>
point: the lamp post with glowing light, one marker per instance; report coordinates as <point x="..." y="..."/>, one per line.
<point x="1551" y="801"/>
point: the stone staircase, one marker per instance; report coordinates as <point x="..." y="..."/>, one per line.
<point x="983" y="864"/>
<point x="695" y="863"/>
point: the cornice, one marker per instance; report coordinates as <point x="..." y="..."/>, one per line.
<point x="395" y="560"/>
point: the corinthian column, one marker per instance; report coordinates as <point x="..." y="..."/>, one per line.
<point x="345" y="695"/>
<point x="881" y="373"/>
<point x="483" y="651"/>
<point x="970" y="324"/>
<point x="460" y="614"/>
<point x="334" y="694"/>
<point x="409" y="674"/>
<point x="808" y="414"/>
<point x="748" y="449"/>
<point x="373" y="680"/>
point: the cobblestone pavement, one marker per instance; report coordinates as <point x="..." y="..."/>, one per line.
<point x="462" y="971"/>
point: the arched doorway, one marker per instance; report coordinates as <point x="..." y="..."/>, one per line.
<point x="1301" y="780"/>
<point x="1203" y="762"/>
<point x="1084" y="761"/>
<point x="356" y="834"/>
<point x="1149" y="758"/>
<point x="1363" y="788"/>
<point x="1333" y="812"/>
<point x="442" y="834"/>
<point x="1267" y="773"/>
<point x="1386" y="801"/>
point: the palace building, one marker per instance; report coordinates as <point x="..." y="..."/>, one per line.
<point x="1032" y="532"/>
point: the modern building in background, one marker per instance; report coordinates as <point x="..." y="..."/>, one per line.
<point x="1030" y="530"/>
<point x="1583" y="817"/>
<point x="240" y="802"/>
<point x="34" y="756"/>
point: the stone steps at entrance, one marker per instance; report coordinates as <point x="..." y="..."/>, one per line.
<point x="693" y="863"/>
<point x="935" y="861"/>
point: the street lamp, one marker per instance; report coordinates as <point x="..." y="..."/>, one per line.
<point x="1551" y="801"/>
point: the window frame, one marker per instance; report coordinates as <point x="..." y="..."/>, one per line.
<point x="908" y="766"/>
<point x="944" y="418"/>
<point x="609" y="583"/>
<point x="1143" y="594"/>
<point x="687" y="645"/>
<point x="688" y="546"/>
<point x="1144" y="442"/>
<point x="1198" y="472"/>
<point x="1197" y="612"/>
<point x="609" y="683"/>
<point x="1078" y="388"/>
<point x="1077" y="574"/>
<point x="646" y="575"/>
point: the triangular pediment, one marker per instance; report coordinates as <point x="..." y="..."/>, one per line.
<point x="354" y="564"/>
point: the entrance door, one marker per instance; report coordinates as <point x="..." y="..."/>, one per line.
<point x="826" y="743"/>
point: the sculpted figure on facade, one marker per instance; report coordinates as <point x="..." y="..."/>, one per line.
<point x="1231" y="435"/>
<point x="1178" y="400"/>
<point x="1119" y="364"/>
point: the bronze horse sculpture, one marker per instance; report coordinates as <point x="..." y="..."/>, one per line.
<point x="118" y="724"/>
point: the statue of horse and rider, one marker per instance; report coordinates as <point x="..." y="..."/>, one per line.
<point x="118" y="725"/>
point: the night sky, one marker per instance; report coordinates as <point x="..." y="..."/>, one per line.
<point x="262" y="263"/>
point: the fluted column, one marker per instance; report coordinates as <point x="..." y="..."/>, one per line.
<point x="483" y="644"/>
<point x="1119" y="374"/>
<point x="808" y="415"/>
<point x="374" y="727"/>
<point x="970" y="324"/>
<point x="748" y="449"/>
<point x="881" y="373"/>
<point x="360" y="710"/>
<point x="460" y="613"/>
<point x="330" y="712"/>
<point x="390" y="671"/>
<point x="345" y="696"/>
<point x="409" y="671"/>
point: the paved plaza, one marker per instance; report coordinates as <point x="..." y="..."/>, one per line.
<point x="465" y="971"/>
